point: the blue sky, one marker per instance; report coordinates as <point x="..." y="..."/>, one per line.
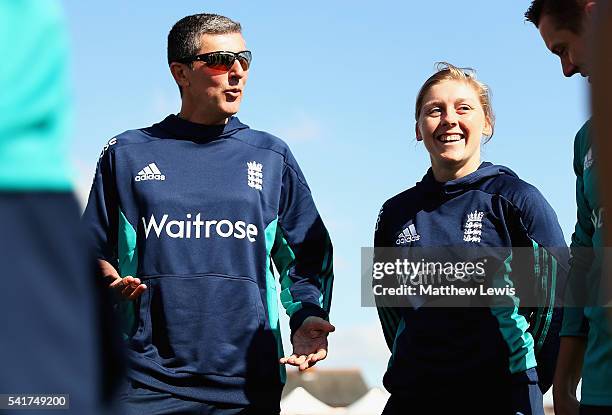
<point x="337" y="81"/>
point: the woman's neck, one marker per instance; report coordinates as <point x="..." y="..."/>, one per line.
<point x="444" y="173"/>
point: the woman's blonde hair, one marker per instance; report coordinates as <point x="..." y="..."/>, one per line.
<point x="447" y="72"/>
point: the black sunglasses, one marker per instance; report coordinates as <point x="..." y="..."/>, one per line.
<point x="222" y="60"/>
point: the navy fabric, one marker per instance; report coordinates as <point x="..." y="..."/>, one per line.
<point x="466" y="344"/>
<point x="56" y="336"/>
<point x="137" y="399"/>
<point x="517" y="395"/>
<point x="199" y="199"/>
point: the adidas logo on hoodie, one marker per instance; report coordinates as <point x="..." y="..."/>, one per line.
<point x="151" y="172"/>
<point x="408" y="235"/>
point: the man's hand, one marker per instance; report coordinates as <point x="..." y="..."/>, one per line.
<point x="309" y="343"/>
<point x="129" y="287"/>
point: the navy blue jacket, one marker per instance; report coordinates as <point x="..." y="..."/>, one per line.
<point x="200" y="214"/>
<point x="491" y="207"/>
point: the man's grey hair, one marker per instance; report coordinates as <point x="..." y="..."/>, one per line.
<point x="186" y="34"/>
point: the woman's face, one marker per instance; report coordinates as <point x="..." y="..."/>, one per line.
<point x="451" y="124"/>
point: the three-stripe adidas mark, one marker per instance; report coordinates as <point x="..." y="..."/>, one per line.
<point x="151" y="172"/>
<point x="408" y="235"/>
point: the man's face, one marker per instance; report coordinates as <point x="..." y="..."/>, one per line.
<point x="217" y="92"/>
<point x="571" y="48"/>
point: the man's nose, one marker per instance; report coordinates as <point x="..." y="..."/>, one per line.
<point x="236" y="69"/>
<point x="236" y="73"/>
<point x="569" y="69"/>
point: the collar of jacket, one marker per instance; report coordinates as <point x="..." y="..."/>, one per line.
<point x="182" y="129"/>
<point x="484" y="172"/>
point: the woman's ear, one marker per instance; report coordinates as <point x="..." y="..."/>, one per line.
<point x="488" y="129"/>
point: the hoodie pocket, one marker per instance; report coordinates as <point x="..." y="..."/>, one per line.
<point x="202" y="324"/>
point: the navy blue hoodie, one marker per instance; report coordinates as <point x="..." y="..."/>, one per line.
<point x="199" y="214"/>
<point x="451" y="345"/>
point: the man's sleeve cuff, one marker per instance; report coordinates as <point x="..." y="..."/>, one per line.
<point x="307" y="310"/>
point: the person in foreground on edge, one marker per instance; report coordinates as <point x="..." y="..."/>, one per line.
<point x="60" y="337"/>
<point x="482" y="360"/>
<point x="586" y="342"/>
<point x="191" y="212"/>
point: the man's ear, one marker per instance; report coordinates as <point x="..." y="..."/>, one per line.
<point x="179" y="73"/>
<point x="417" y="132"/>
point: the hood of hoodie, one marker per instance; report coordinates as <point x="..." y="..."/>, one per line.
<point x="485" y="172"/>
<point x="181" y="129"/>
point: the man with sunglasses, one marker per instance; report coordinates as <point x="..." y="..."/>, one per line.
<point x="187" y="217"/>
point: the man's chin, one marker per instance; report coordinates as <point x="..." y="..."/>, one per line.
<point x="230" y="110"/>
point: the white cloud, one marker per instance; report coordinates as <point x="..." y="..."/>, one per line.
<point x="164" y="102"/>
<point x="359" y="342"/>
<point x="300" y="128"/>
<point x="341" y="264"/>
<point x="83" y="178"/>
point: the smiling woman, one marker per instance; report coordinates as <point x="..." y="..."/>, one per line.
<point x="453" y="112"/>
<point x="470" y="206"/>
